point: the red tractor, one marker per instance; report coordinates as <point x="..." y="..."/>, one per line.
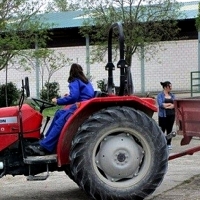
<point x="111" y="147"/>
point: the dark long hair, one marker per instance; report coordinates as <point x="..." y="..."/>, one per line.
<point x="165" y="84"/>
<point x="76" y="71"/>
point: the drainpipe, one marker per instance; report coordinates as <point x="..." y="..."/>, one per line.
<point x="37" y="72"/>
<point x="88" y="56"/>
<point x="142" y="71"/>
<point x="199" y="50"/>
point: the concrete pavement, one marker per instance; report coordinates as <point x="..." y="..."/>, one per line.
<point x="182" y="175"/>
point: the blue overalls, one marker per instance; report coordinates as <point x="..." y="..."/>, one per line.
<point x="79" y="91"/>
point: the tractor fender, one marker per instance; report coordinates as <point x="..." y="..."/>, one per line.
<point x="87" y="108"/>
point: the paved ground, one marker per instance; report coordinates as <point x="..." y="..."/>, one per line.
<point x="188" y="190"/>
<point x="182" y="180"/>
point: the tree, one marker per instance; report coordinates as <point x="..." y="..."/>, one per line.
<point x="145" y="24"/>
<point x="198" y="19"/>
<point x="50" y="91"/>
<point x="20" y="29"/>
<point x="13" y="94"/>
<point x="50" y="62"/>
<point x="62" y="5"/>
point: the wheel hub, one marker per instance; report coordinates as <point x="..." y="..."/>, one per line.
<point x="119" y="157"/>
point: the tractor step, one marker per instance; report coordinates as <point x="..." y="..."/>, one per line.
<point x="41" y="159"/>
<point x="31" y="160"/>
<point x="37" y="178"/>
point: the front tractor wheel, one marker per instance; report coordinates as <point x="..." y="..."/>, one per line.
<point x="119" y="153"/>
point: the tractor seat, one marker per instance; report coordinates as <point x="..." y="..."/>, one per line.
<point x="100" y="94"/>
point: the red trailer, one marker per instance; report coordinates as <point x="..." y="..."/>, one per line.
<point x="187" y="123"/>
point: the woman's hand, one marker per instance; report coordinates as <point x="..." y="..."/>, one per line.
<point x="54" y="100"/>
<point x="168" y="105"/>
<point x="171" y="106"/>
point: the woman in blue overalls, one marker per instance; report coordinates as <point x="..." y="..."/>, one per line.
<point x="80" y="90"/>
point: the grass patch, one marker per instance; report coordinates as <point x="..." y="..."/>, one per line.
<point x="50" y="111"/>
<point x="46" y="112"/>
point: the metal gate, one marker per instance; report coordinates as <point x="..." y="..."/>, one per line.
<point x="195" y="82"/>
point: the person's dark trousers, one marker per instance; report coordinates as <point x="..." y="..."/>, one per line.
<point x="166" y="124"/>
<point x="51" y="137"/>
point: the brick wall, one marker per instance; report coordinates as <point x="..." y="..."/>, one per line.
<point x="173" y="63"/>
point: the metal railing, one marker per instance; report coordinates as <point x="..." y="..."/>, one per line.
<point x="195" y="82"/>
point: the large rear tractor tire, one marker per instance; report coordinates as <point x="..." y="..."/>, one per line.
<point x="119" y="154"/>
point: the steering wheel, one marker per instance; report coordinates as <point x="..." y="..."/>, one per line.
<point x="43" y="104"/>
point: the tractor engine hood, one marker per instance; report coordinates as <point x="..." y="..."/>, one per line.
<point x="10" y="120"/>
